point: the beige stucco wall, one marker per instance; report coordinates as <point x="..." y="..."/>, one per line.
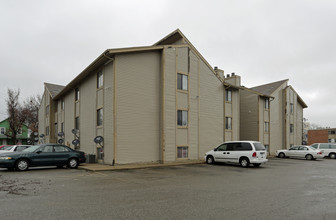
<point x="138" y="101"/>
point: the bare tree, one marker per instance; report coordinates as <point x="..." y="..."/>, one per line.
<point x="30" y="111"/>
<point x="14" y="110"/>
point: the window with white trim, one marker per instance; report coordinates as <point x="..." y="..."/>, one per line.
<point x="182" y="152"/>
<point x="228" y="123"/>
<point x="2" y="130"/>
<point x="182" y="82"/>
<point x="182" y="118"/>
<point x="228" y="95"/>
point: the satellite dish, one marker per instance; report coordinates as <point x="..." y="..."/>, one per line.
<point x="36" y="133"/>
<point x="41" y="135"/>
<point x="98" y="139"/>
<point x="75" y="142"/>
<point x="74" y="131"/>
<point x="29" y="141"/>
<point x="36" y="139"/>
<point x="60" y="141"/>
<point x="60" y="134"/>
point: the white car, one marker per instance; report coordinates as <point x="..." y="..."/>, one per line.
<point x="300" y="151"/>
<point x="239" y="152"/>
<point x="14" y="148"/>
<point x="328" y="149"/>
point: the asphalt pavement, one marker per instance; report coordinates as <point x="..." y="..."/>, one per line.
<point x="280" y="189"/>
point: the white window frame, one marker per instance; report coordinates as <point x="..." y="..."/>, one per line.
<point x="3" y="130"/>
<point x="182" y="152"/>
<point x="228" y="95"/>
<point x="182" y="118"/>
<point x="228" y="123"/>
<point x="182" y="82"/>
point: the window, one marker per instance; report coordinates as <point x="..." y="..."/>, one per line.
<point x="182" y="118"/>
<point x="242" y="147"/>
<point x="266" y="147"/>
<point x="62" y="104"/>
<point x="182" y="82"/>
<point x="331" y="132"/>
<point x="228" y="95"/>
<point x="221" y="147"/>
<point x="228" y="123"/>
<point x="60" y="149"/>
<point x="266" y="103"/>
<point x="2" y="130"/>
<point x="291" y="107"/>
<point x="47" y="131"/>
<point x="77" y="123"/>
<point x="77" y="94"/>
<point x="47" y="110"/>
<point x="56" y="130"/>
<point x="19" y="131"/>
<point x="182" y="152"/>
<point x="291" y="128"/>
<point x="99" y="117"/>
<point x="62" y="127"/>
<point x="100" y="79"/>
<point x="266" y="126"/>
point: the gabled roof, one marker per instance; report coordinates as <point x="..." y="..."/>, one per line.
<point x="53" y="89"/>
<point x="178" y="35"/>
<point x="269" y="88"/>
<point x="107" y="56"/>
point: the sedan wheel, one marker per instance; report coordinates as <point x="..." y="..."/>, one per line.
<point x="73" y="163"/>
<point x="22" y="165"/>
<point x="309" y="157"/>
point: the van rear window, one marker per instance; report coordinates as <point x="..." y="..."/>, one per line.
<point x="259" y="147"/>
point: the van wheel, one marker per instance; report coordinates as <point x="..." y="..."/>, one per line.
<point x="282" y="155"/>
<point x="256" y="164"/>
<point x="210" y="160"/>
<point x="332" y="155"/>
<point x="309" y="157"/>
<point x="244" y="162"/>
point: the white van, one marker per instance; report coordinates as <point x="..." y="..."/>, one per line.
<point x="240" y="152"/>
<point x="328" y="149"/>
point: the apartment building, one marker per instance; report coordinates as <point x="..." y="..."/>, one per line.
<point x="286" y="115"/>
<point x="326" y="135"/>
<point x="159" y="103"/>
<point x="255" y="116"/>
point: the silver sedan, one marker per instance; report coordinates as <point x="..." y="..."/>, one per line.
<point x="300" y="151"/>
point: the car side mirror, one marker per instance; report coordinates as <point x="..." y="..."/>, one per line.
<point x="39" y="151"/>
<point x="215" y="149"/>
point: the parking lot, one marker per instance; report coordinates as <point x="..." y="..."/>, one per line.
<point x="280" y="189"/>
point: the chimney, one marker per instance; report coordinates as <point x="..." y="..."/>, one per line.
<point x="233" y="79"/>
<point x="219" y="72"/>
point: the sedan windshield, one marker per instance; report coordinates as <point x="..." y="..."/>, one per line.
<point x="7" y="148"/>
<point x="31" y="149"/>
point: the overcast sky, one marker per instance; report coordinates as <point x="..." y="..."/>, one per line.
<point x="261" y="40"/>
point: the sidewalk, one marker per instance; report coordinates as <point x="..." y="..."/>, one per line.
<point x="101" y="167"/>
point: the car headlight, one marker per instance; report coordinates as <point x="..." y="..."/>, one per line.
<point x="5" y="158"/>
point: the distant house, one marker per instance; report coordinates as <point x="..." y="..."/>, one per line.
<point x="286" y="115"/>
<point x="21" y="137"/>
<point x="158" y="103"/>
<point x="326" y="135"/>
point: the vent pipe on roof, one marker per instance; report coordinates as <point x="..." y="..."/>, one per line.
<point x="232" y="74"/>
